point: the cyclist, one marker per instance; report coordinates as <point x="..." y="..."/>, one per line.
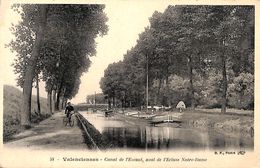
<point x="68" y="110"/>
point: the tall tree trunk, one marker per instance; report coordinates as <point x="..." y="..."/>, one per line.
<point x="158" y="91"/>
<point x="38" y="95"/>
<point x="53" y="99"/>
<point x="124" y="99"/>
<point x="140" y="100"/>
<point x="109" y="103"/>
<point x="30" y="69"/>
<point x="224" y="83"/>
<point x="167" y="91"/>
<point x="62" y="103"/>
<point x="191" y="83"/>
<point x="65" y="103"/>
<point x="63" y="98"/>
<point x="60" y="89"/>
<point x="114" y="103"/>
<point x="57" y="105"/>
<point x="122" y="103"/>
<point x="50" y="101"/>
<point x="57" y="101"/>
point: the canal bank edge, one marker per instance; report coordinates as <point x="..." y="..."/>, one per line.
<point x="224" y="123"/>
<point x="91" y="135"/>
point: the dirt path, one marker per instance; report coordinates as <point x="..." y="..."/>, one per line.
<point x="50" y="134"/>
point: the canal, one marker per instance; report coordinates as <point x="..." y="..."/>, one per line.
<point x="122" y="133"/>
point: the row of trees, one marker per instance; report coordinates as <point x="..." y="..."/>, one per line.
<point x="53" y="43"/>
<point x="97" y="98"/>
<point x="203" y="55"/>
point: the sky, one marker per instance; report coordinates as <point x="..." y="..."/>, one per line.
<point x="126" y="21"/>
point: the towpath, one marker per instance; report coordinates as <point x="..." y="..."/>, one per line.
<point x="50" y="134"/>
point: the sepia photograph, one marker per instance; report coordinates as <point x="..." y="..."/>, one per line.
<point x="138" y="79"/>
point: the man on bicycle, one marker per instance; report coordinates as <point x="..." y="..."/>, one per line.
<point x="68" y="110"/>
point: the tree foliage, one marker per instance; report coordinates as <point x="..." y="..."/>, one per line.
<point x="63" y="50"/>
<point x="193" y="53"/>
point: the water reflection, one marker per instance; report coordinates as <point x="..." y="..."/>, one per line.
<point x="155" y="137"/>
<point x="122" y="134"/>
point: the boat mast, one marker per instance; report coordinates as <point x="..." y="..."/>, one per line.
<point x="95" y="101"/>
<point x="147" y="84"/>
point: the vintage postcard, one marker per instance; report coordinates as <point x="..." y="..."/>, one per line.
<point x="129" y="83"/>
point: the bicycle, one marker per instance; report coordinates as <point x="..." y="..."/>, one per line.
<point x="69" y="120"/>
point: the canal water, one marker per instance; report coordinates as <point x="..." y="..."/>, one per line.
<point x="122" y="133"/>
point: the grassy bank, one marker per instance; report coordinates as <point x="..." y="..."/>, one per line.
<point x="230" y="123"/>
<point x="12" y="105"/>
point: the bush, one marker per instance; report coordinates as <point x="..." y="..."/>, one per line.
<point x="241" y="91"/>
